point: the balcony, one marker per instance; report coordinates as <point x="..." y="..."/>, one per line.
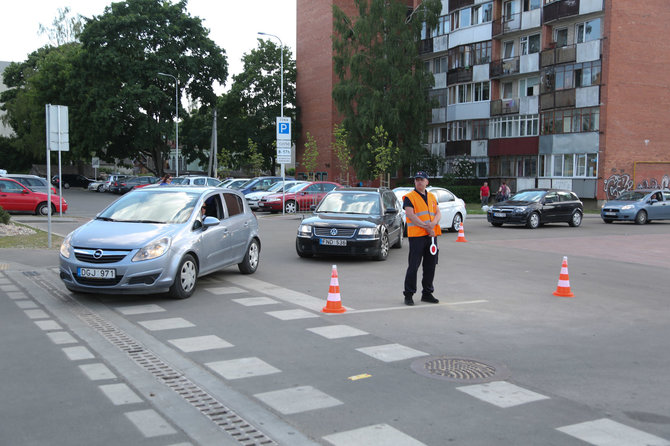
<point x="558" y="99"/>
<point x="506" y="25"/>
<point x="504" y="67"/>
<point x="559" y="10"/>
<point x="426" y="46"/>
<point x="505" y="106"/>
<point x="459" y="75"/>
<point x="555" y="56"/>
<point x="455" y="148"/>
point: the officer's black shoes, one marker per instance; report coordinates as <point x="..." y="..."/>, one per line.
<point x="409" y="301"/>
<point x="429" y="298"/>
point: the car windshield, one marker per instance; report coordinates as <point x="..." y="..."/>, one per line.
<point x="528" y="195"/>
<point x="155" y="206"/>
<point x="277" y="187"/>
<point x="296" y="187"/>
<point x="179" y="181"/>
<point x="350" y="203"/>
<point x="632" y="195"/>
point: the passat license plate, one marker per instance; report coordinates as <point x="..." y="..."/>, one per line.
<point x="332" y="242"/>
<point x="613" y="214"/>
<point x="499" y="214"/>
<point x="97" y="273"/>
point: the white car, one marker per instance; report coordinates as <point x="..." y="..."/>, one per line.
<point x="194" y="180"/>
<point x="233" y="183"/>
<point x="97" y="186"/>
<point x="254" y="197"/>
<point x="452" y="208"/>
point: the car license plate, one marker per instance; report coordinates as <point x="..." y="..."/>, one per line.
<point x="499" y="214"/>
<point x="97" y="273"/>
<point x="613" y="214"/>
<point x="332" y="242"/>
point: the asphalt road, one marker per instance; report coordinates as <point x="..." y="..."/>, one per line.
<point x="539" y="369"/>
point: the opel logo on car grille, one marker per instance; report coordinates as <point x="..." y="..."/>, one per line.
<point x="333" y="231"/>
<point x="97" y="254"/>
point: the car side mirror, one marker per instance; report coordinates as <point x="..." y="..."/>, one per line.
<point x="210" y="221"/>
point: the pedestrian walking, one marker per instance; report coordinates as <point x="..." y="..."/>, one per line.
<point x="484" y="194"/>
<point x="423" y="218"/>
<point x="503" y="192"/>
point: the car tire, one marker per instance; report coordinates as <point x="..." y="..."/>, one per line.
<point x="533" y="220"/>
<point x="66" y="185"/>
<point x="300" y="252"/>
<point x="398" y="244"/>
<point x="383" y="247"/>
<point x="249" y="264"/>
<point x="456" y="223"/>
<point x="497" y="225"/>
<point x="186" y="278"/>
<point x="607" y="220"/>
<point x="641" y="218"/>
<point x="100" y="188"/>
<point x="43" y="209"/>
<point x="576" y="219"/>
<point x="290" y="207"/>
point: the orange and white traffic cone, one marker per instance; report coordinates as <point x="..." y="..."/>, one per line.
<point x="461" y="234"/>
<point x="334" y="303"/>
<point x="563" y="288"/>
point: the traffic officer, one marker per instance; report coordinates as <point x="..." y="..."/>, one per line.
<point x="423" y="218"/>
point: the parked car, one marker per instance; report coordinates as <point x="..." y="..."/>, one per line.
<point x="254" y="197"/>
<point x="640" y="206"/>
<point x="157" y="239"/>
<point x="32" y="182"/>
<point x="195" y="180"/>
<point x="451" y="207"/>
<point x="260" y="184"/>
<point x="136" y="183"/>
<point x="15" y="197"/>
<point x="96" y="186"/>
<point x="233" y="183"/>
<point x="111" y="179"/>
<point x="71" y="180"/>
<point x="352" y="221"/>
<point x="300" y="197"/>
<point x="535" y="207"/>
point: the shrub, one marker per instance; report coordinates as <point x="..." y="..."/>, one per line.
<point x="4" y="216"/>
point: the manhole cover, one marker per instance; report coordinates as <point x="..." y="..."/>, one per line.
<point x="460" y="369"/>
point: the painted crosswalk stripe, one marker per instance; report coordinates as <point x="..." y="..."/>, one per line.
<point x="377" y="434"/>
<point x="502" y="393"/>
<point x="150" y="423"/>
<point x="16" y="295"/>
<point x="140" y="309"/>
<point x="606" y="432"/>
<point x="77" y="353"/>
<point x="36" y="314"/>
<point x="199" y="343"/>
<point x="97" y="371"/>
<point x="25" y="304"/>
<point x="225" y="290"/>
<point x="8" y="288"/>
<point x="297" y="399"/>
<point x="289" y="315"/>
<point x="242" y="368"/>
<point x="61" y="337"/>
<point x="391" y="352"/>
<point x="166" y="324"/>
<point x="48" y="325"/>
<point x="120" y="394"/>
<point x="254" y="301"/>
<point x="337" y="331"/>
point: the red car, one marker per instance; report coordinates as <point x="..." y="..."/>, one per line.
<point x="300" y="197"/>
<point x="15" y="197"/>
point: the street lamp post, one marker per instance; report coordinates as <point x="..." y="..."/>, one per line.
<point x="281" y="101"/>
<point x="176" y="124"/>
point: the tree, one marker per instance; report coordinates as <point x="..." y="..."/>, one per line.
<point x="254" y="100"/>
<point x="310" y="155"/>
<point x="381" y="78"/>
<point x="342" y="151"/>
<point x="383" y="151"/>
<point x="255" y="158"/>
<point x="64" y="28"/>
<point x="124" y="99"/>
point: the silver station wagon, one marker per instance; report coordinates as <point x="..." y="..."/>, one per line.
<point x="161" y="239"/>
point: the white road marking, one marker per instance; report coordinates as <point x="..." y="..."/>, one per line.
<point x="391" y="352"/>
<point x="254" y="301"/>
<point x="502" y="394"/>
<point x="17" y="295"/>
<point x="166" y="324"/>
<point x="25" y="304"/>
<point x="9" y="288"/>
<point x="289" y="315"/>
<point x="225" y="290"/>
<point x="140" y="309"/>
<point x="377" y="434"/>
<point x="297" y="399"/>
<point x="77" y="353"/>
<point x="606" y="432"/>
<point x="61" y="337"/>
<point x="48" y="325"/>
<point x="199" y="343"/>
<point x="418" y="307"/>
<point x="97" y="371"/>
<point x="242" y="368"/>
<point x="337" y="331"/>
<point x="120" y="394"/>
<point x="149" y="423"/>
<point x="36" y="314"/>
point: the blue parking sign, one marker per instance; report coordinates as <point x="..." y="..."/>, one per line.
<point x="283" y="128"/>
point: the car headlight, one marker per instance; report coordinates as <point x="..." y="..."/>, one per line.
<point x="153" y="250"/>
<point x="627" y="207"/>
<point x="519" y="210"/>
<point x="367" y="231"/>
<point x="65" y="247"/>
<point x="305" y="230"/>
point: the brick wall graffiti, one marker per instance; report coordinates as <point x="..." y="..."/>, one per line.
<point x="652" y="183"/>
<point x="616" y="184"/>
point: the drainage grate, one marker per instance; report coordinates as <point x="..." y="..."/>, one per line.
<point x="222" y="416"/>
<point x="459" y="369"/>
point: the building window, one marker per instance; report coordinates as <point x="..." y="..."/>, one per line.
<point x="587" y="73"/>
<point x="530" y="44"/>
<point x="440" y="65"/>
<point x="561" y="37"/>
<point x="575" y="120"/>
<point x="482" y="52"/>
<point x="456" y="131"/>
<point x="529" y="86"/>
<point x="509" y="11"/>
<point x="442" y="26"/>
<point x="508" y="49"/>
<point x="507" y="90"/>
<point x="464" y="93"/>
<point x="465" y="15"/>
<point x="587" y="31"/>
<point x="529" y="5"/>
<point x="514" y="126"/>
<point x="480" y="129"/>
<point x="570" y="165"/>
<point x="482" y="13"/>
<point x="572" y="75"/>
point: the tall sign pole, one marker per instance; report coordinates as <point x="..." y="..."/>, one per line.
<point x="57" y="139"/>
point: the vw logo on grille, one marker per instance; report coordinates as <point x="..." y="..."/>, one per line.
<point x="333" y="231"/>
<point x="97" y="254"/>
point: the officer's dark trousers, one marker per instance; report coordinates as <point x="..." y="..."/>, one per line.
<point x="419" y="250"/>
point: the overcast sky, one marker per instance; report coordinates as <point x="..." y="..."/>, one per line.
<point x="233" y="24"/>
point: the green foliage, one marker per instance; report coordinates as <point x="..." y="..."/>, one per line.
<point x="255" y="158"/>
<point x="310" y="155"/>
<point x="64" y="28"/>
<point x="341" y="149"/>
<point x="381" y="78"/>
<point x="384" y="152"/>
<point x="4" y="216"/>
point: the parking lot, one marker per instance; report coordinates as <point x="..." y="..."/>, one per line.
<point x="561" y="369"/>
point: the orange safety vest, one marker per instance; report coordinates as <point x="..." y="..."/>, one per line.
<point x="425" y="212"/>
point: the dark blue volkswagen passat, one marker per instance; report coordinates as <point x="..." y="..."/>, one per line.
<point x="535" y="207"/>
<point x="161" y="239"/>
<point x="352" y="221"/>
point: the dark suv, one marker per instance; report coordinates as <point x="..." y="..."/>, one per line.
<point x="71" y="180"/>
<point x="535" y="207"/>
<point x="360" y="221"/>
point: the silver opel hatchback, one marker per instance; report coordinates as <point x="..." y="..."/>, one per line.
<point x="161" y="239"/>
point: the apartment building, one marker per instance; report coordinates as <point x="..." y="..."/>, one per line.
<point x="537" y="93"/>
